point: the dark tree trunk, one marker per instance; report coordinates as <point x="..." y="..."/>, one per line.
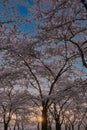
<point x="38" y="127"/>
<point x="49" y="126"/>
<point x="44" y="117"/>
<point x="66" y="128"/>
<point x="72" y="126"/>
<point x="18" y="128"/>
<point x="86" y="127"/>
<point x="58" y="125"/>
<point x="5" y="126"/>
<point x="22" y="126"/>
<point x="69" y="127"/>
<point x="14" y="128"/>
<point x="78" y="127"/>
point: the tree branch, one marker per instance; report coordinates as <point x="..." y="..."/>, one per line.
<point x="81" y="53"/>
<point x="84" y="3"/>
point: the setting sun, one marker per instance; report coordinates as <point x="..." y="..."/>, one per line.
<point x="40" y="119"/>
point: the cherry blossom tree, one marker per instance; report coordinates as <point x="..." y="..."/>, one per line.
<point x="12" y="101"/>
<point x="46" y="63"/>
<point x="62" y="21"/>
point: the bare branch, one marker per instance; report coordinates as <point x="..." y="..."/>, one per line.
<point x="81" y="53"/>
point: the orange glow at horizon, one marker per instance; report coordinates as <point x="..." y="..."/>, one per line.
<point x="40" y="119"/>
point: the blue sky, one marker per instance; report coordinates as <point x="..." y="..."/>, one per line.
<point x="21" y="11"/>
<point x="25" y="12"/>
<point x="31" y="2"/>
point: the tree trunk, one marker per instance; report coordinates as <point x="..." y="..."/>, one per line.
<point x="18" y="128"/>
<point x="49" y="126"/>
<point x="5" y="126"/>
<point x="44" y="119"/>
<point x="72" y="127"/>
<point x="86" y="127"/>
<point x="78" y="127"/>
<point x="38" y="126"/>
<point x="66" y="128"/>
<point x="69" y="127"/>
<point x="58" y="125"/>
<point x="14" y="128"/>
<point x="22" y="126"/>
